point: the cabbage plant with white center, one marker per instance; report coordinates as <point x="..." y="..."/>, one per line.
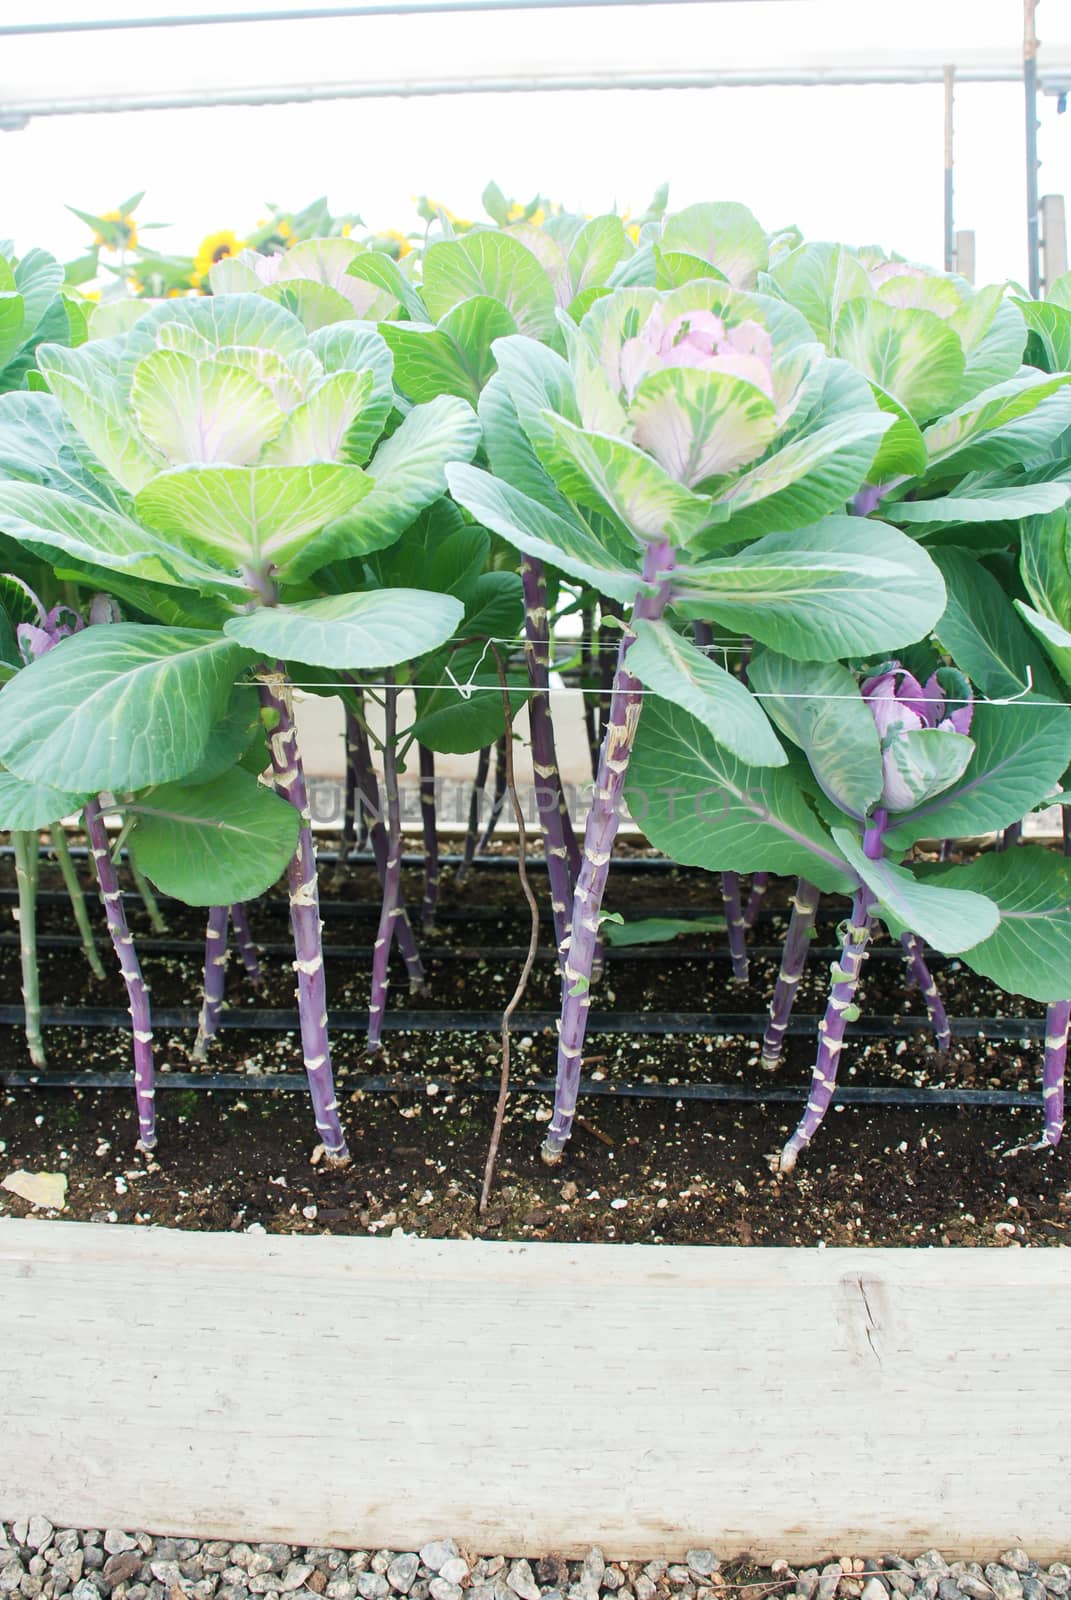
<point x="207" y="465"/>
<point x="691" y="457"/>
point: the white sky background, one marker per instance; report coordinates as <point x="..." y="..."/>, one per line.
<point x="860" y="164"/>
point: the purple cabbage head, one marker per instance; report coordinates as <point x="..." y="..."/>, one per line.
<point x="903" y="709"/>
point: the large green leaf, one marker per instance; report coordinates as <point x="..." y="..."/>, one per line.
<point x="1057" y="640"/>
<point x="453" y="358"/>
<point x="34" y="805"/>
<point x="38" y="445"/>
<point x="949" y="920"/>
<point x="703" y="807"/>
<point x="1050" y="324"/>
<point x="594" y="254"/>
<point x="1030" y="951"/>
<point x="441" y="551"/>
<point x="677" y="671"/>
<point x="48" y="522"/>
<point x="224" y="321"/>
<point x="844" y="586"/>
<point x="202" y="411"/>
<point x="383" y="271"/>
<point x="320" y="427"/>
<point x="981" y="632"/>
<point x="88" y="386"/>
<point x="927" y="761"/>
<point x="996" y="427"/>
<point x="985" y="505"/>
<point x="1021" y="752"/>
<point x="902" y="452"/>
<point x="378" y="628"/>
<point x="12" y="320"/>
<point x="538" y="531"/>
<point x="909" y="352"/>
<point x="723" y="233"/>
<point x="496" y="265"/>
<point x="38" y="279"/>
<point x="214" y="843"/>
<point x="1045" y="567"/>
<point x="818" y="279"/>
<point x="817" y="704"/>
<point x="408" y="473"/>
<point x="510" y="451"/>
<point x="494" y="608"/>
<point x="806" y="479"/>
<point x="354" y="347"/>
<point x="621" y="481"/>
<point x="993" y="333"/>
<point x="117" y="707"/>
<point x="464" y="712"/>
<point x="250" y="516"/>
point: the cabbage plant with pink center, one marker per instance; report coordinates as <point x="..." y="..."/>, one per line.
<point x="923" y="731"/>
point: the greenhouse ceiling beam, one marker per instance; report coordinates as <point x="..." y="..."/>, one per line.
<point x="377" y="8"/>
<point x="16" y="115"/>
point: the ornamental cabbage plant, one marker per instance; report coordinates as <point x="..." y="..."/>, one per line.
<point x="209" y="464"/>
<point x="691" y="457"/>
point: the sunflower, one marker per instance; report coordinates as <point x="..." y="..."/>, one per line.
<point x="393" y="242"/>
<point x="121" y="235"/>
<point x="214" y="247"/>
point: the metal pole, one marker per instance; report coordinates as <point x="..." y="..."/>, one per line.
<point x="1030" y="89"/>
<point x="950" y="224"/>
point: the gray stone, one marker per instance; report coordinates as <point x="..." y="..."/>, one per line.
<point x="702" y="1562"/>
<point x="645" y="1589"/>
<point x="203" y="1588"/>
<point x="901" y="1582"/>
<point x="31" y="1585"/>
<point x="1034" y="1589"/>
<point x="258" y="1564"/>
<point x="357" y="1561"/>
<point x="874" y="1589"/>
<point x="277" y="1554"/>
<point x="380" y="1561"/>
<point x="420" y="1591"/>
<point x="167" y="1573"/>
<point x="402" y="1571"/>
<point x="829" y="1580"/>
<point x="931" y="1564"/>
<point x="455" y="1571"/>
<point x="443" y="1589"/>
<point x="37" y="1566"/>
<point x="232" y="1591"/>
<point x="1055" y="1581"/>
<point x="807" y="1583"/>
<point x="122" y="1567"/>
<point x="926" y="1588"/>
<point x="60" y="1583"/>
<point x="612" y="1579"/>
<point x="973" y="1587"/>
<point x="1018" y="1560"/>
<point x="437" y="1552"/>
<point x="116" y="1541"/>
<point x="372" y="1585"/>
<point x="84" y="1590"/>
<point x="949" y="1589"/>
<point x="20" y="1529"/>
<point x="341" y="1589"/>
<point x="1004" y="1584"/>
<point x="72" y="1564"/>
<point x="93" y="1556"/>
<point x="522" y="1581"/>
<point x="294" y="1575"/>
<point x="39" y="1533"/>
<point x="241" y="1556"/>
<point x="594" y="1566"/>
<point x="193" y="1569"/>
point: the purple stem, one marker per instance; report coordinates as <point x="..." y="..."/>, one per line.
<point x="277" y="714"/>
<point x="368" y="797"/>
<point x="846" y="972"/>
<point x="589" y="686"/>
<point x="498" y="799"/>
<point x="1011" y="836"/>
<point x="214" y="980"/>
<point x="1057" y="1018"/>
<point x="609" y="639"/>
<point x="559" y="841"/>
<point x="479" y="784"/>
<point x="431" y="837"/>
<point x="137" y="992"/>
<point x="392" y="874"/>
<point x="735" y="925"/>
<point x="604" y="819"/>
<point x="793" y="960"/>
<point x="760" y="882"/>
<point x="921" y="975"/>
<point x="24" y="845"/>
<point x="247" y="948"/>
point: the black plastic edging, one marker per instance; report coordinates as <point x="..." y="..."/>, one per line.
<point x="701" y="1023"/>
<point x="739" y="1094"/>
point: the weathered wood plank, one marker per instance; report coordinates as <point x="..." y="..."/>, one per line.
<point x="535" y="1397"/>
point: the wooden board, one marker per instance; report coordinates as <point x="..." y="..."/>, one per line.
<point x="528" y="1398"/>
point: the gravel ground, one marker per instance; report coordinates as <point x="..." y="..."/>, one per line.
<point x="38" y="1561"/>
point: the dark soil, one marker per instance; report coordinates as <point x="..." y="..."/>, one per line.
<point x="663" y="1171"/>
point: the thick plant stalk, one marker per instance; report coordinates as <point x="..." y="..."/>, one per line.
<point x="349" y="804"/>
<point x="289" y="775"/>
<point x="472" y="832"/>
<point x="760" y="882"/>
<point x="61" y="850"/>
<point x="392" y="875"/>
<point x="559" y="841"/>
<point x="368" y="800"/>
<point x="735" y="925"/>
<point x="840" y="1006"/>
<point x="148" y="899"/>
<point x="604" y="819"/>
<point x="1057" y="1019"/>
<point x="247" y="948"/>
<point x="611" y="612"/>
<point x="498" y="796"/>
<point x="136" y="989"/>
<point x="793" y="960"/>
<point x="1011" y="836"/>
<point x="922" y="976"/>
<point x="214" y="980"/>
<point x="589" y="684"/>
<point x="431" y="837"/>
<point x="25" y="847"/>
